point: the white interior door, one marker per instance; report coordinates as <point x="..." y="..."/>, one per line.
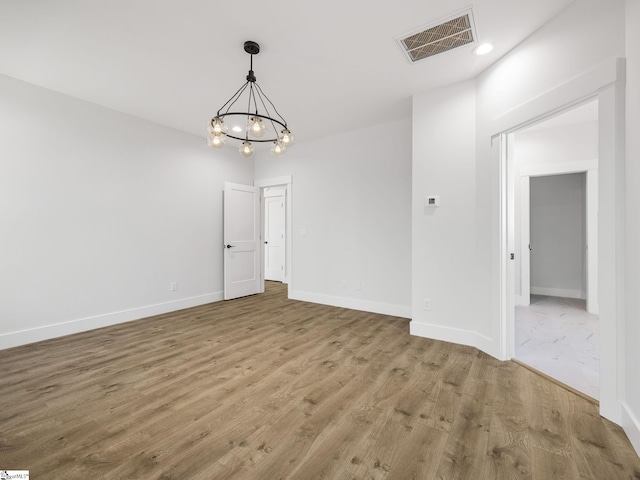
<point x="274" y="243"/>
<point x="242" y="272"/>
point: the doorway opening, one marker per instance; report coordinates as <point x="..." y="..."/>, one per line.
<point x="553" y="227"/>
<point x="606" y="84"/>
<point x="244" y="236"/>
<point x="274" y="228"/>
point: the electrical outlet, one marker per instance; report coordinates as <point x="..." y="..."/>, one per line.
<point x="357" y="285"/>
<point x="174" y="286"/>
<point x="427" y="304"/>
<point x="343" y="284"/>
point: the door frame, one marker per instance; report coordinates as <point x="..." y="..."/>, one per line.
<point x="590" y="169"/>
<point x="287" y="182"/>
<point x="605" y="82"/>
<point x="281" y="195"/>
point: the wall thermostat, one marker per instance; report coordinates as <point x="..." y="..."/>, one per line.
<point x="433" y="201"/>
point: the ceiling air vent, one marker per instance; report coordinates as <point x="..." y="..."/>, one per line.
<point x="439" y="37"/>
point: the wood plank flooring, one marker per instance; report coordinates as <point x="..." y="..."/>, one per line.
<point x="268" y="388"/>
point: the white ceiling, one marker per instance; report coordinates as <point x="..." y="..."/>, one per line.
<point x="328" y="66"/>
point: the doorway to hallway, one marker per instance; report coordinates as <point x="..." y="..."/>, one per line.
<point x="554" y="223"/>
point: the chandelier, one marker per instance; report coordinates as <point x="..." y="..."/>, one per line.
<point x="255" y="125"/>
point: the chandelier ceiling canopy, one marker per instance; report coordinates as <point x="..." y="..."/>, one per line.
<point x="259" y="123"/>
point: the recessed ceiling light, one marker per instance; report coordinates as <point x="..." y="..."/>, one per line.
<point x="483" y="49"/>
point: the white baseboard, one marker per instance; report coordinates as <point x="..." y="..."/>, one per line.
<point x="23" y="337"/>
<point x="454" y="335"/>
<point x="558" y="292"/>
<point x="352" y="303"/>
<point x="631" y="426"/>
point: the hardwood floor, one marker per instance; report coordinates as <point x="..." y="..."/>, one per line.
<point x="268" y="388"/>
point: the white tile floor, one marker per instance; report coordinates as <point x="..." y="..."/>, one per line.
<point x="560" y="338"/>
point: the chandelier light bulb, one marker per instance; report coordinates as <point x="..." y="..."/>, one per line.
<point x="216" y="140"/>
<point x="277" y="149"/>
<point x="256" y="127"/>
<point x="217" y="126"/>
<point x="246" y="149"/>
<point x="287" y="138"/>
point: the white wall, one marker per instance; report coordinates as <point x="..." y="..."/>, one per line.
<point x="559" y="51"/>
<point x="562" y="144"/>
<point x="100" y="212"/>
<point x="351" y="198"/>
<point x="631" y="417"/>
<point x="558" y="235"/>
<point x="443" y="238"/>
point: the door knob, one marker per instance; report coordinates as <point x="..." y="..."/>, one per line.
<point x="229" y="246"/>
<point x="265" y="242"/>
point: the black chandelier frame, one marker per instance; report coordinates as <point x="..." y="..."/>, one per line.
<point x="255" y="95"/>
